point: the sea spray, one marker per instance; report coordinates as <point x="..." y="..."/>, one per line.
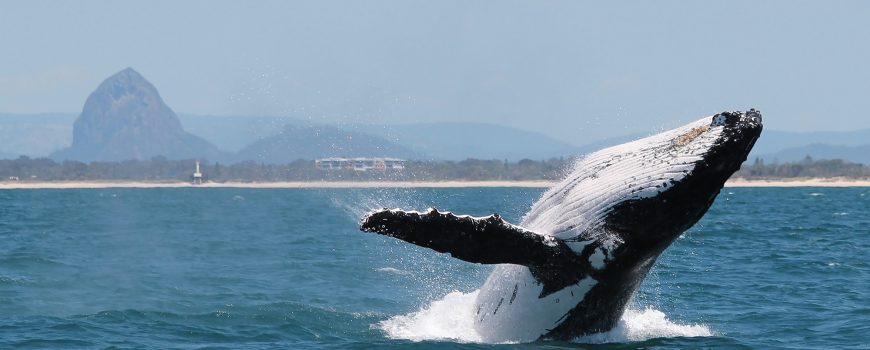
<point x="639" y="325"/>
<point x="357" y="203"/>
<point x="451" y="318"/>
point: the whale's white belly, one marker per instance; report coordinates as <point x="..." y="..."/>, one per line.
<point x="508" y="308"/>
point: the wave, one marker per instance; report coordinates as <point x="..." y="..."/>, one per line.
<point x="15" y="281"/>
<point x="451" y="318"/>
<point x="271" y="323"/>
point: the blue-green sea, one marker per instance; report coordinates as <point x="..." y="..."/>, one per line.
<point x="228" y="268"/>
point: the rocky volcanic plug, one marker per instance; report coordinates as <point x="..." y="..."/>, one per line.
<point x="125" y="118"/>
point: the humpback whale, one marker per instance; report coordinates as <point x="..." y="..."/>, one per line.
<point x="573" y="263"/>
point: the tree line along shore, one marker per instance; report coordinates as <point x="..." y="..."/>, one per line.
<point x="164" y="170"/>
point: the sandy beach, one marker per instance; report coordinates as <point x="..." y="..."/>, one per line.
<point x="799" y="182"/>
<point x="295" y="184"/>
<point x="832" y="182"/>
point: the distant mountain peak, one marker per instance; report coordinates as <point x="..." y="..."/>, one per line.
<point x="128" y="72"/>
<point x="125" y="118"/>
<point x="127" y="81"/>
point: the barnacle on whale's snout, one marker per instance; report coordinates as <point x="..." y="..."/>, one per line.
<point x="684" y="139"/>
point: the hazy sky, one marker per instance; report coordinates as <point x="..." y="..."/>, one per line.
<point x="579" y="71"/>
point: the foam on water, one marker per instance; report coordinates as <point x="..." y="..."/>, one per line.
<point x="451" y="318"/>
<point x="649" y="323"/>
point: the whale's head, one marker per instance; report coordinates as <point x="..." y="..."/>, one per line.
<point x="701" y="158"/>
<point x="643" y="194"/>
<point x="620" y="207"/>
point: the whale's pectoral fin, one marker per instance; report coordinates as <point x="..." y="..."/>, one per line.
<point x="487" y="240"/>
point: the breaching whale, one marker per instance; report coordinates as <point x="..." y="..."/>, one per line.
<point x="579" y="254"/>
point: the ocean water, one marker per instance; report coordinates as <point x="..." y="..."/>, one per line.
<point x="287" y="268"/>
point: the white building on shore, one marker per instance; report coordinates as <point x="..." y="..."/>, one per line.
<point x="360" y="164"/>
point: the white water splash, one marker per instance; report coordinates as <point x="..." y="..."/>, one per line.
<point x="649" y="323"/>
<point x="452" y="319"/>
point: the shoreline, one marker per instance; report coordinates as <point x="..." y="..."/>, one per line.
<point x="739" y="182"/>
<point x="268" y="185"/>
<point x="799" y="182"/>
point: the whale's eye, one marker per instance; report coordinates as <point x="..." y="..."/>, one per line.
<point x="684" y="139"/>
